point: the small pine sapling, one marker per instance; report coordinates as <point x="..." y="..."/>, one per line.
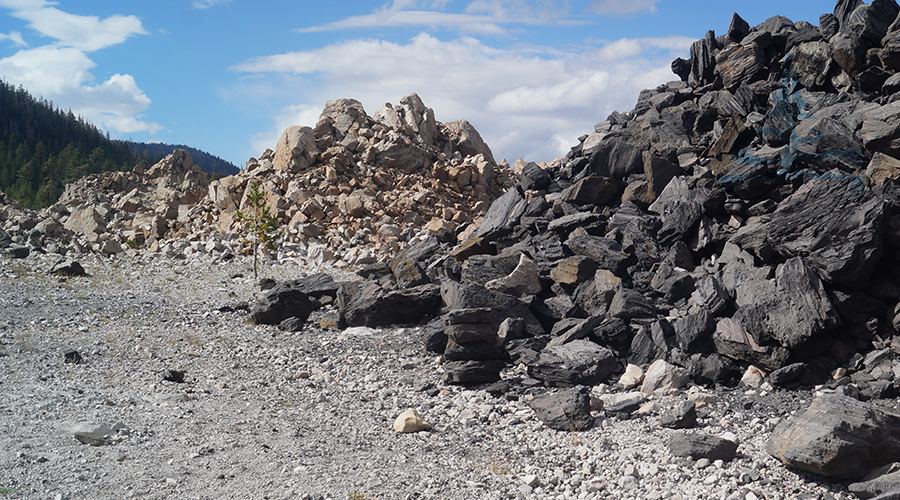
<point x="260" y="225"/>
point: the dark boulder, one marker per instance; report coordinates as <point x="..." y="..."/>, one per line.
<point x="281" y="303"/>
<point x="580" y="362"/>
<point x="567" y="410"/>
<point x="503" y="215"/>
<point x="374" y="306"/>
<point x="837" y="437"/>
<point x="699" y="446"/>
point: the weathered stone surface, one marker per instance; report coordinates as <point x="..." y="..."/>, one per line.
<point x="475" y="351"/>
<point x="502" y="305"/>
<point x="837" y="437"/>
<point x="85" y="221"/>
<point x="567" y="410"/>
<point x="824" y="144"/>
<point x="296" y="149"/>
<point x="883" y="167"/>
<point x="683" y="416"/>
<point x="467" y="333"/>
<point x="629" y="304"/>
<point x="811" y="63"/>
<point x="503" y="215"/>
<point x="593" y="190"/>
<point x="703" y="61"/>
<point x="651" y="343"/>
<point x="607" y="253"/>
<point x="68" y="267"/>
<point x="880" y="129"/>
<point x="618" y="156"/>
<point x="733" y="341"/>
<point x="694" y="332"/>
<point x="795" y="311"/>
<point x="534" y="177"/>
<point x="740" y="63"/>
<point x="663" y="377"/>
<point x="373" y="306"/>
<point x="882" y="480"/>
<point x="835" y="224"/>
<point x="410" y="421"/>
<point x="580" y="362"/>
<point x="680" y="207"/>
<point x="574" y="270"/>
<point x="699" y="446"/>
<point x="523" y="280"/>
<point x="658" y="172"/>
<point x="472" y="372"/>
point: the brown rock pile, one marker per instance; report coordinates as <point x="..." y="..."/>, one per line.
<point x="114" y="211"/>
<point x="355" y="187"/>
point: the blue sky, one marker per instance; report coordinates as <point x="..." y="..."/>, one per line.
<point x="227" y="76"/>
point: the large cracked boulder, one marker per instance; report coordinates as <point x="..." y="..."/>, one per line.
<point x="837" y="437"/>
<point x="835" y="224"/>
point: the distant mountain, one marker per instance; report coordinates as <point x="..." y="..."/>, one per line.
<point x="209" y="163"/>
<point x="42" y="148"/>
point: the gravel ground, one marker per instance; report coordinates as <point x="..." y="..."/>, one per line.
<point x="268" y="414"/>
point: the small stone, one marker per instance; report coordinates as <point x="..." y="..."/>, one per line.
<point x="176" y="376"/>
<point x="73" y="357"/>
<point x="632" y="377"/>
<point x="753" y="377"/>
<point x="410" y="421"/>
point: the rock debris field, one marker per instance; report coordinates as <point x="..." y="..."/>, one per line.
<point x="264" y="413"/>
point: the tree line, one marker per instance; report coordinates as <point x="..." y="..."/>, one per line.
<point x="42" y="148"/>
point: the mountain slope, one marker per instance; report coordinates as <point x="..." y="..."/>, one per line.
<point x="42" y="148"/>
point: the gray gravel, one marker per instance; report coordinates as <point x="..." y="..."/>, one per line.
<point x="269" y="414"/>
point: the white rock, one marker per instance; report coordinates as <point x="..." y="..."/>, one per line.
<point x="410" y="421"/>
<point x="753" y="377"/>
<point x="663" y="377"/>
<point x="632" y="377"/>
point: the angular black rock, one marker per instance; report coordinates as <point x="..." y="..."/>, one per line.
<point x="699" y="446"/>
<point x="567" y="410"/>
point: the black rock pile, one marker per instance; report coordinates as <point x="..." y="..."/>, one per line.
<point x="746" y="215"/>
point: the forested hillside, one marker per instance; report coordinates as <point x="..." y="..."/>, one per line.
<point x="42" y="148"/>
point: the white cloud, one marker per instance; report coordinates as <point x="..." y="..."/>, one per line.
<point x="60" y="71"/>
<point x="620" y="7"/>
<point x="205" y="4"/>
<point x="481" y="16"/>
<point x="525" y="104"/>
<point x="15" y="37"/>
<point x="85" y="33"/>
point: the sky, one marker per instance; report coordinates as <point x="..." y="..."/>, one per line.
<point x="228" y="76"/>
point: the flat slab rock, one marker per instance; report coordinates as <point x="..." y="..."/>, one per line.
<point x="697" y="446"/>
<point x="838" y="437"/>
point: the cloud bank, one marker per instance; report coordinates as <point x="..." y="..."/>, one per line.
<point x="526" y="102"/>
<point x="60" y="71"/>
